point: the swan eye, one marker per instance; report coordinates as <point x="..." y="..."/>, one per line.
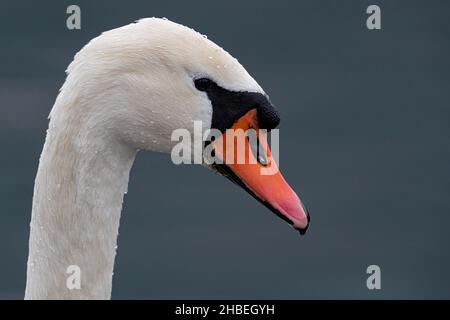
<point x="203" y="84"/>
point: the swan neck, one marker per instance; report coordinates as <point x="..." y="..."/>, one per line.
<point x="81" y="180"/>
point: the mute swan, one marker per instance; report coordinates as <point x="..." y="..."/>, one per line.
<point x="127" y="90"/>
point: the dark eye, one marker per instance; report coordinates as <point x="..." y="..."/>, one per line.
<point x="203" y="84"/>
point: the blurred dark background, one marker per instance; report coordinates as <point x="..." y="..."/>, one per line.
<point x="364" y="140"/>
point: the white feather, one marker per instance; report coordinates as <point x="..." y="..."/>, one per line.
<point x="127" y="89"/>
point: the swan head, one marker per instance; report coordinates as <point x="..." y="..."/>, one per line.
<point x="139" y="83"/>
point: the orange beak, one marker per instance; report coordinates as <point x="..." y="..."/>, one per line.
<point x="253" y="168"/>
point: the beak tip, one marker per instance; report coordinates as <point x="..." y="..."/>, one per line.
<point x="302" y="229"/>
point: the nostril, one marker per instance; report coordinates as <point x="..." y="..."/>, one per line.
<point x="256" y="147"/>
